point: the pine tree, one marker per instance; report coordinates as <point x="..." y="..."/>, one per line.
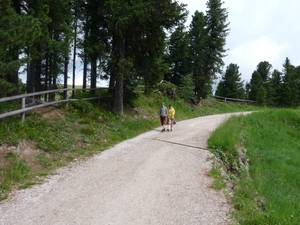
<point x="274" y="89"/>
<point x="261" y="96"/>
<point x="18" y="30"/>
<point x="257" y="91"/>
<point x="197" y="45"/>
<point x="298" y="79"/>
<point x="208" y="38"/>
<point x="217" y="30"/>
<point x="50" y="51"/>
<point x="177" y="56"/>
<point x="264" y="69"/>
<point x="137" y="33"/>
<point x="94" y="39"/>
<point x="290" y="87"/>
<point x="231" y="85"/>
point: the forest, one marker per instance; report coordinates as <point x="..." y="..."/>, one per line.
<point x="129" y="43"/>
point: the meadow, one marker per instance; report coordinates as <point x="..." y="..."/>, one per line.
<point x="261" y="156"/>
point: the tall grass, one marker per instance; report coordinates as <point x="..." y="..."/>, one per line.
<point x="269" y="193"/>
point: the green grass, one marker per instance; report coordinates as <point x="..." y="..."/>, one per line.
<point x="15" y="172"/>
<point x="270" y="192"/>
<point x="218" y="182"/>
<point x="81" y="129"/>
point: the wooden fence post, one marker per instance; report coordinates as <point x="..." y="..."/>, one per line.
<point x="23" y="113"/>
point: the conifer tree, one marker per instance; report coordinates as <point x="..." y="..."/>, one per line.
<point x="197" y="46"/>
<point x="290" y="87"/>
<point x="257" y="91"/>
<point x="50" y="51"/>
<point x="177" y="56"/>
<point x="217" y="30"/>
<point x="231" y="85"/>
<point x="264" y="69"/>
<point x="274" y="89"/>
<point x="137" y="32"/>
<point x="212" y="31"/>
<point x="18" y="30"/>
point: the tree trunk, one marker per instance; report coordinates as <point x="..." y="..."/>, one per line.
<point x="66" y="76"/>
<point x="74" y="50"/>
<point x="84" y="77"/>
<point x="13" y="77"/>
<point x="113" y="72"/>
<point x="37" y="75"/>
<point x="119" y="95"/>
<point x="47" y="77"/>
<point x="30" y="74"/>
<point x="93" y="74"/>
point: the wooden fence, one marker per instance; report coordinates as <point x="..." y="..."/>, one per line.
<point x="225" y="99"/>
<point x="40" y="103"/>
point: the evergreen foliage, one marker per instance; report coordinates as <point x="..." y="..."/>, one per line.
<point x="275" y="88"/>
<point x="187" y="89"/>
<point x="129" y="43"/>
<point x="18" y="30"/>
<point x="178" y="56"/>
<point x="290" y="85"/>
<point x="217" y="30"/>
<point x="208" y="38"/>
<point x="256" y="86"/>
<point x="197" y="43"/>
<point x="231" y="85"/>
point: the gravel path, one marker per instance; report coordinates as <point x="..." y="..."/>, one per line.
<point x="155" y="178"/>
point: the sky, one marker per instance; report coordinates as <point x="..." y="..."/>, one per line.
<point x="260" y="30"/>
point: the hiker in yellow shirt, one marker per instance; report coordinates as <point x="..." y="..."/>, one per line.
<point x="171" y="118"/>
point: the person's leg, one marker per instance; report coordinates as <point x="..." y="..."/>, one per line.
<point x="169" y="124"/>
<point x="163" y="122"/>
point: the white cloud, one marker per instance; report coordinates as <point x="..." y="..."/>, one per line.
<point x="250" y="53"/>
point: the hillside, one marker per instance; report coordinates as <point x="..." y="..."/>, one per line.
<point x="55" y="136"/>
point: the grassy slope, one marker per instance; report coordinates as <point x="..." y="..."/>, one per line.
<point x="271" y="192"/>
<point x="79" y="130"/>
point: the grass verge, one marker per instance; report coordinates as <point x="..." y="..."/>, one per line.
<point x="260" y="153"/>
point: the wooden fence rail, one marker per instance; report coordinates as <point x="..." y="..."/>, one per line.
<point x="41" y="103"/>
<point x="225" y="99"/>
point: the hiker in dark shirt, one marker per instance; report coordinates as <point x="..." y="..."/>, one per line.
<point x="163" y="111"/>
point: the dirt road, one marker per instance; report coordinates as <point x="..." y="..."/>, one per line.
<point x="155" y="178"/>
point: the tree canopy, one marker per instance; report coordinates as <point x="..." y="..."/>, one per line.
<point x="129" y="43"/>
<point x="231" y="85"/>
